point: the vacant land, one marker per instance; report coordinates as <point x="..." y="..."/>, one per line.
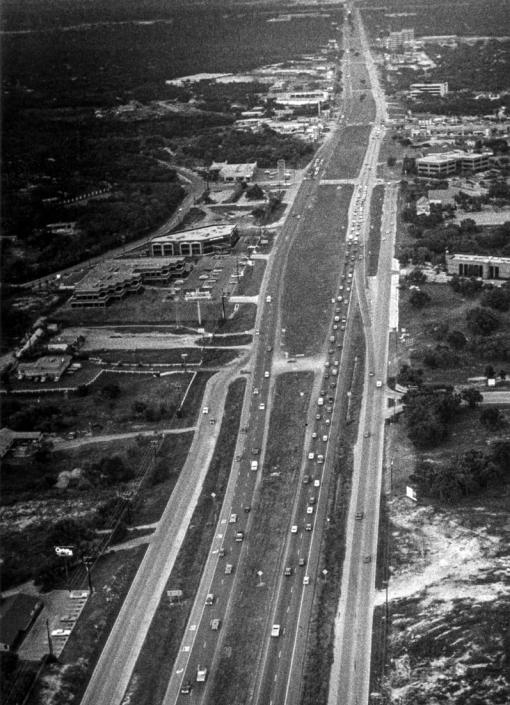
<point x="155" y="663"/>
<point x="347" y="160"/>
<point x="312" y="272"/>
<point x="271" y="516"/>
<point x="429" y="327"/>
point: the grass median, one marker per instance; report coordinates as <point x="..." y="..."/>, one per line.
<point x="244" y="630"/>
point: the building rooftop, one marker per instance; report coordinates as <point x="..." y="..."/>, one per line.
<point x="112" y="272"/>
<point x="481" y="259"/>
<point x="8" y="437"/>
<point x="234" y="171"/>
<point x="16" y="613"/>
<point x="207" y="232"/>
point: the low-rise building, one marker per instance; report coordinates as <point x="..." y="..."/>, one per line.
<point x="480" y="266"/>
<point x="45" y="368"/>
<point x="17" y="615"/>
<point x="19" y="443"/>
<point x="206" y="240"/>
<point x="232" y="173"/>
<point x="437" y="165"/>
<point x="419" y="89"/>
<point x="115" y="279"/>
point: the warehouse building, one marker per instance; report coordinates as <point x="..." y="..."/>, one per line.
<point x="420" y="89"/>
<point x="206" y="240"/>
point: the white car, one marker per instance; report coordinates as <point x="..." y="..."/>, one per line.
<point x="233" y="519"/>
<point x="293" y="529"/>
<point x="266" y="374"/>
<point x="309" y="510"/>
<point x="205" y="410"/>
<point x="306" y="580"/>
<point x="262" y="406"/>
<point x="275" y="630"/>
<point x="316" y="483"/>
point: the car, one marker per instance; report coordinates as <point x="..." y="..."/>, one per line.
<point x="367" y="559"/>
<point x="302" y="561"/>
<point x="336" y="363"/>
<point x="326" y="376"/>
<point x="306" y="479"/>
<point x="239" y="536"/>
<point x="255" y="391"/>
<point x="298" y="217"/>
<point x="335" y="326"/>
<point x="316" y="483"/>
<point x="359" y="516"/>
<point x="342" y="327"/>
<point x="309" y="510"/>
<point x="320" y="459"/>
<point x="61" y="632"/>
<point x="262" y="406"/>
<point x="275" y="630"/>
<point x="370" y="374"/>
<point x="255" y="451"/>
<point x="222" y="552"/>
<point x="323" y="392"/>
<point x="327" y="363"/>
<point x="268" y="299"/>
<point x="378" y="383"/>
<point x="311" y="455"/>
<point x="186" y="687"/>
<point x="332" y="301"/>
<point x="293" y="529"/>
<point x="228" y="568"/>
<point x="325" y="437"/>
<point x="287" y="571"/>
<point x="266" y="374"/>
<point x="306" y="580"/>
<point x="366" y="434"/>
<point x="318" y="417"/>
<point x="245" y="429"/>
<point x="314" y="434"/>
<point x="212" y="422"/>
<point x="331" y="351"/>
<point x="247" y="508"/>
<point x="215" y="624"/>
<point x="333" y="384"/>
<point x="308" y="527"/>
<point x="233" y="519"/>
<point x="205" y="410"/>
<point x="327" y="422"/>
<point x="209" y="600"/>
<point x="239" y="457"/>
<point x="269" y="348"/>
<point x="257" y="332"/>
<point x="311" y="500"/>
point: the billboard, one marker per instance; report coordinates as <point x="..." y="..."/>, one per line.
<point x="64" y="551"/>
<point x="411" y="493"/>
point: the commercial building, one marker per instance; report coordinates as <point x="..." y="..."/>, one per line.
<point x="437" y="165"/>
<point x="480" y="266"/>
<point x="301" y="98"/>
<point x="398" y="39"/>
<point x="115" y="279"/>
<point x="232" y="173"/>
<point x="17" y="615"/>
<point x="49" y="368"/>
<point x="419" y="89"/>
<point x="206" y="240"/>
<point x="443" y="164"/>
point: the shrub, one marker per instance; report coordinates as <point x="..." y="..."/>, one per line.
<point x="481" y="321"/>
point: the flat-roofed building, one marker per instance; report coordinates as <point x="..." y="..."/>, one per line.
<point x="45" y="368"/>
<point x="418" y="89"/>
<point x="17" y="615"/>
<point x="437" y="165"/>
<point x="301" y="98"/>
<point x="475" y="162"/>
<point x="480" y="266"/>
<point x="232" y="173"/>
<point x="206" y="240"/>
<point x="115" y="279"/>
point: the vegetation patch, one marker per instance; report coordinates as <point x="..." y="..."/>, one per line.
<point x="347" y="161"/>
<point x="375" y="234"/>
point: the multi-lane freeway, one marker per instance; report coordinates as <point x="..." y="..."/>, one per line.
<point x="278" y="661"/>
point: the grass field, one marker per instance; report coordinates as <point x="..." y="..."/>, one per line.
<point x="155" y="663"/>
<point x="374" y="239"/>
<point x="271" y="518"/>
<point x="348" y="158"/>
<point x="312" y="271"/>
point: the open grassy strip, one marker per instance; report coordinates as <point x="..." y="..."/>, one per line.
<point x="311" y="275"/>
<point x="223" y="340"/>
<point x="270" y="522"/>
<point x="155" y="663"/>
<point x="327" y="590"/>
<point x="143" y="356"/>
<point x="112" y="578"/>
<point x="249" y="284"/>
<point x="216" y="357"/>
<point x="236" y="321"/>
<point x="348" y="158"/>
<point x="374" y="235"/>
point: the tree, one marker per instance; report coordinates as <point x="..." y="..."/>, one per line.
<point x="481" y="321"/>
<point x="497" y="298"/>
<point x="419" y="299"/>
<point x="111" y="391"/>
<point x="492" y="419"/>
<point x="391" y="161"/>
<point x="457" y="339"/>
<point x="417" y="276"/>
<point x="489" y="372"/>
<point x="472" y="396"/>
<point x="254" y="193"/>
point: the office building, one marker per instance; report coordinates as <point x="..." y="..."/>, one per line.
<point x="421" y="89"/>
<point x="206" y="240"/>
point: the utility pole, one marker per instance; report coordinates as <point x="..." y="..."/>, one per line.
<point x="87" y="562"/>
<point x="223" y="304"/>
<point x="50" y="643"/>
